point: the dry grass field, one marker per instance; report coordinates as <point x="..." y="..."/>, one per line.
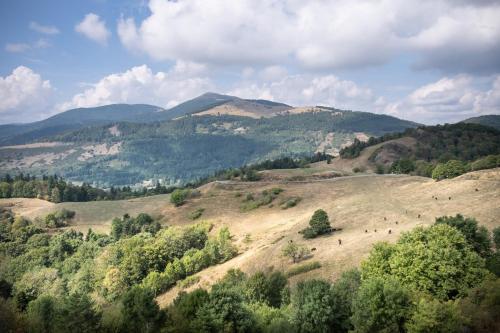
<point x="365" y="206"/>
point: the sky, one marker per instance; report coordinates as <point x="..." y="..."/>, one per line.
<point x="430" y="61"/>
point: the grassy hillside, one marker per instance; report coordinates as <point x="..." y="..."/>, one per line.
<point x="353" y="203"/>
<point x="191" y="147"/>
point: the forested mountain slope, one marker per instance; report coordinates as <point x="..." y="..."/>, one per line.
<point x="191" y="147"/>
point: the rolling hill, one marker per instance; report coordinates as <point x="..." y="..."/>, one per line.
<point x="488" y="120"/>
<point x="193" y="146"/>
<point x="375" y="203"/>
<point x="78" y="118"/>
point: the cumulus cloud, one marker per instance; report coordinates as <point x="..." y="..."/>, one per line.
<point x="24" y="96"/>
<point x="449" y="99"/>
<point x="310" y="90"/>
<point x="450" y="35"/>
<point x="44" y="29"/>
<point x="141" y="85"/>
<point x="94" y="28"/>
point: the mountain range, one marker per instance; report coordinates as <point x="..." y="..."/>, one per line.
<point x="122" y="144"/>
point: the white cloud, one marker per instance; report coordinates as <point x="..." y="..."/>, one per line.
<point x="44" y="29"/>
<point x="310" y="90"/>
<point x="23" y="47"/>
<point x="24" y="96"/>
<point x="141" y="85"/>
<point x="17" y="47"/>
<point x="320" y="34"/>
<point x="449" y="99"/>
<point x="94" y="28"/>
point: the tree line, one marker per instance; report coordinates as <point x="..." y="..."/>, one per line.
<point x="55" y="189"/>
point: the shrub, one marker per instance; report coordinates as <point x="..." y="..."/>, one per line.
<point x="290" y="202"/>
<point x="306" y="267"/>
<point x="295" y="252"/>
<point x="450" y="169"/>
<point x="179" y="196"/>
<point x="189" y="281"/>
<point x="403" y="166"/>
<point x="196" y="214"/>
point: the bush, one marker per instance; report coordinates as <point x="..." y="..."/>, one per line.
<point x="404" y="166"/>
<point x="450" y="169"/>
<point x="306" y="267"/>
<point x="179" y="196"/>
<point x="489" y="162"/>
<point x="59" y="218"/>
<point x="196" y="214"/>
<point x="290" y="202"/>
<point x="295" y="252"/>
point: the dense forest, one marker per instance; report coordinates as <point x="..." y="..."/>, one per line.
<point x="56" y="189"/>
<point x="442" y="151"/>
<point x="442" y="278"/>
<point x="190" y="147"/>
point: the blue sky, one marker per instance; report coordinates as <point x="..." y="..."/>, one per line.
<point x="428" y="61"/>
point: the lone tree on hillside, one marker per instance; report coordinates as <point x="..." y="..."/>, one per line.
<point x="319" y="225"/>
<point x="295" y="252"/>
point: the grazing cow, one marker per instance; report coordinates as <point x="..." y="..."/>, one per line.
<point x="418" y="215"/>
<point x="390" y="231"/>
<point x="375" y="230"/>
<point x="313" y="249"/>
<point x="396" y="222"/>
<point x="477" y="190"/>
<point x="449" y="198"/>
<point x="385" y="218"/>
<point x="340" y="242"/>
<point x="366" y="231"/>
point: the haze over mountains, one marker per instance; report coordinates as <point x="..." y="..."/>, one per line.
<point x="122" y="144"/>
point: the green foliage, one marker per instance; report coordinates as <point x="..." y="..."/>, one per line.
<point x="496" y="238"/>
<point x="265" y="288"/>
<point x="59" y="218"/>
<point x="465" y="142"/>
<point x="450" y="169"/>
<point x="179" y="196"/>
<point x="344" y="291"/>
<point x="477" y="237"/>
<point x="318" y="225"/>
<point x="303" y="268"/>
<point x="290" y="202"/>
<point x="223" y="312"/>
<point x="488" y="162"/>
<point x="140" y="312"/>
<point x="194" y="215"/>
<point x="430" y="315"/>
<point x="312" y="304"/>
<point x="295" y="252"/>
<point x="402" y="166"/>
<point x="252" y="201"/>
<point x="435" y="260"/>
<point x="129" y="226"/>
<point x="481" y="307"/>
<point x="381" y="305"/>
